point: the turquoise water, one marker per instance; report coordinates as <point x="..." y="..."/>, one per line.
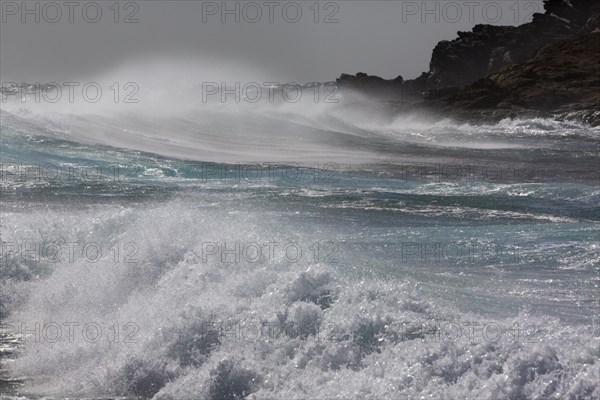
<point x="411" y="263"/>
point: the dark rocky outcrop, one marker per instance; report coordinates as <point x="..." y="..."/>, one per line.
<point x="563" y="78"/>
<point x="486" y="49"/>
<point x="548" y="67"/>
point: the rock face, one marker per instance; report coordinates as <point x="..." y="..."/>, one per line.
<point x="563" y="74"/>
<point x="562" y="78"/>
<point x="474" y="55"/>
<point x="483" y="51"/>
<point x="548" y="67"/>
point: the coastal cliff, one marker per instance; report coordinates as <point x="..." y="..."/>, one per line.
<point x="487" y="48"/>
<point x="561" y="80"/>
<point x="548" y="67"/>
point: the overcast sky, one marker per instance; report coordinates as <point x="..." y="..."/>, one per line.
<point x="386" y="38"/>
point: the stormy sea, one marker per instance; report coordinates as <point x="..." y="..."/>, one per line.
<point x="296" y="251"/>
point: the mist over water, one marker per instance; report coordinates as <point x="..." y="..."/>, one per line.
<point x="225" y="250"/>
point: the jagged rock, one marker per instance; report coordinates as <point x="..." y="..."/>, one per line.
<point x="565" y="73"/>
<point x="562" y="79"/>
<point x="486" y="49"/>
<point x="548" y="67"/>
